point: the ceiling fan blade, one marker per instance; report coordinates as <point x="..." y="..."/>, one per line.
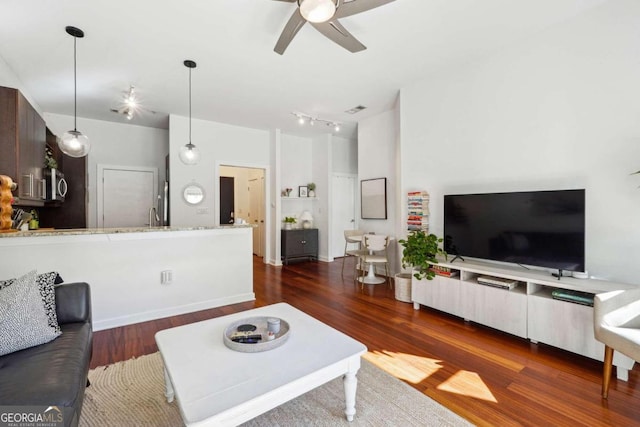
<point x="357" y="6"/>
<point x="290" y="30"/>
<point x="334" y="31"/>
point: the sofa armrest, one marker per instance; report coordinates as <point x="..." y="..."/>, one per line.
<point x="73" y="303"/>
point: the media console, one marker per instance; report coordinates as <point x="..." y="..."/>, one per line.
<point x="526" y="309"/>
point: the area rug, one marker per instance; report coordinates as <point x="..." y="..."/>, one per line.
<point x="131" y="393"/>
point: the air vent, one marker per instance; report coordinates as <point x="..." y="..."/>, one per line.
<point x="356" y="109"/>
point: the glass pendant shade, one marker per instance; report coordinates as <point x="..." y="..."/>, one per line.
<point x="74" y="144"/>
<point x="317" y="11"/>
<point x="189" y="154"/>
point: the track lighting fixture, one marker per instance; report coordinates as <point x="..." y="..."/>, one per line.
<point x="304" y="118"/>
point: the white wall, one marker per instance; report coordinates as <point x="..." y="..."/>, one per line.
<point x="560" y="110"/>
<point x="377" y="140"/>
<point x="115" y="144"/>
<point x="211" y="268"/>
<point x="321" y="170"/>
<point x="8" y="78"/>
<point x="344" y="155"/>
<point x="219" y="144"/>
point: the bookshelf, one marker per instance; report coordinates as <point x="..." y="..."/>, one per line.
<point x="418" y="211"/>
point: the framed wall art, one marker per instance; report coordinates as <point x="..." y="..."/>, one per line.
<point x="373" y="198"/>
<point x="303" y="191"/>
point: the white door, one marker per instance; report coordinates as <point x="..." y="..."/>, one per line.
<point x="343" y="211"/>
<point x="256" y="213"/>
<point x="126" y="195"/>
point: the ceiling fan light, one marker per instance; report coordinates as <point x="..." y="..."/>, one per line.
<point x="300" y="120"/>
<point x="74" y="144"/>
<point x="189" y="154"/>
<point x="317" y="11"/>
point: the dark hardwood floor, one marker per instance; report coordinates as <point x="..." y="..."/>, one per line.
<point x="488" y="377"/>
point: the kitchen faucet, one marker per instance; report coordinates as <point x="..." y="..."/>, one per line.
<point x="154" y="219"/>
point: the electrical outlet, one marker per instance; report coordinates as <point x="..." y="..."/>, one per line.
<point x="202" y="211"/>
<point x="166" y="277"/>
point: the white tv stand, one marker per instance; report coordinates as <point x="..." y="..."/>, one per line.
<point x="528" y="310"/>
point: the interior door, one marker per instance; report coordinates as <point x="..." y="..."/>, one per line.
<point x="127" y="195"/>
<point x="227" y="200"/>
<point x="343" y="211"/>
<point x="256" y="213"/>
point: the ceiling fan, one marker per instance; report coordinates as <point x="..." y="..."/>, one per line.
<point x="130" y="105"/>
<point x="324" y="15"/>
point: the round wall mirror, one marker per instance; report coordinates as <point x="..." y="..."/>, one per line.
<point x="193" y="194"/>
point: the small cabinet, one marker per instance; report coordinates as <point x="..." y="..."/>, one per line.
<point x="299" y="244"/>
<point x="22" y="143"/>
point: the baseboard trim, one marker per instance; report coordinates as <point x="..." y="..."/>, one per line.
<point x="115" y="322"/>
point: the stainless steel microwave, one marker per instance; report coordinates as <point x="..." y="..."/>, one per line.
<point x="55" y="184"/>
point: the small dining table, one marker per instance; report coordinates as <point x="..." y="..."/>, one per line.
<point x="370" y="278"/>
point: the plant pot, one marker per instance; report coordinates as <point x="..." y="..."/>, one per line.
<point x="403" y="287"/>
<point x="312" y="193"/>
<point x="287" y="226"/>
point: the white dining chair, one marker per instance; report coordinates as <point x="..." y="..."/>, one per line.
<point x="352" y="237"/>
<point x="375" y="252"/>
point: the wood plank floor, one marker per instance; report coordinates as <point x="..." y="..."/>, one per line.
<point x="488" y="377"/>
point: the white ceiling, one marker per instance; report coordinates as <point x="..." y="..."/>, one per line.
<point x="239" y="79"/>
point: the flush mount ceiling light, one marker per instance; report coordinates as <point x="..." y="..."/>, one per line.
<point x="189" y="153"/>
<point x="129" y="105"/>
<point x="73" y="143"/>
<point x="305" y="118"/>
<point x="317" y="11"/>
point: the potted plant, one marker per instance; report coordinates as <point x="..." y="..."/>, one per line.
<point x="288" y="222"/>
<point x="312" y="189"/>
<point x="420" y="251"/>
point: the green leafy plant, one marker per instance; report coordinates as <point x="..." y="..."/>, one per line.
<point x="289" y="219"/>
<point x="420" y="251"/>
<point x="311" y="186"/>
<point x="49" y="161"/>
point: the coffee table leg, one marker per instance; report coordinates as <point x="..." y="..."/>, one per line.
<point x="350" y="385"/>
<point x="168" y="387"/>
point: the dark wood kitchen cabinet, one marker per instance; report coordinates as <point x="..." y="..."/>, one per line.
<point x="22" y="146"/>
<point x="72" y="213"/>
<point x="298" y="244"/>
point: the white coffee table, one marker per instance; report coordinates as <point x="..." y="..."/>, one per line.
<point x="216" y="386"/>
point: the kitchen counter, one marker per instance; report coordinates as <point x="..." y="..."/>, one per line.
<point x="89" y="231"/>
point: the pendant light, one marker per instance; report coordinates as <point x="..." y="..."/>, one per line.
<point x="189" y="154"/>
<point x="73" y="143"/>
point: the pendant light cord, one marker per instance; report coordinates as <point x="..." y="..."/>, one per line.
<point x="75" y="86"/>
<point x="189" y="105"/>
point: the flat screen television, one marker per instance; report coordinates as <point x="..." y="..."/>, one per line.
<point x="535" y="228"/>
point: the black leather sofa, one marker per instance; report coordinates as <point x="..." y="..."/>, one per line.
<point x="55" y="373"/>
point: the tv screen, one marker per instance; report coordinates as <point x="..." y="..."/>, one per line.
<point x="536" y="228"/>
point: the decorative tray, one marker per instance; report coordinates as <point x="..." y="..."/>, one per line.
<point x="252" y="344"/>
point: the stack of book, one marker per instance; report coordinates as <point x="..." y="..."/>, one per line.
<point x="569" y="295"/>
<point x="418" y="211"/>
<point x="444" y="271"/>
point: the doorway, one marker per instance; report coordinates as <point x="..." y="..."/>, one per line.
<point x="126" y="196"/>
<point x="248" y="194"/>
<point x="343" y="210"/>
<point x="227" y="199"/>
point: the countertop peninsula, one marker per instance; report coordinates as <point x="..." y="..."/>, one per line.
<point x="89" y="231"/>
